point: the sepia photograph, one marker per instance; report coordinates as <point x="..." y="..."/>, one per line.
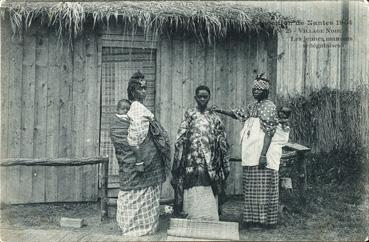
<point x="184" y="120"/>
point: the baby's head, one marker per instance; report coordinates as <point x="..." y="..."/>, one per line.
<point x="284" y="114"/>
<point x="123" y="106"/>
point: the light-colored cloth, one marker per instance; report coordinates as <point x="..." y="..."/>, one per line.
<point x="138" y="211"/>
<point x="274" y="153"/>
<point x="261" y="194"/>
<point x="199" y="203"/>
<point x="259" y="118"/>
<point x="140" y="118"/>
<point x="122" y="116"/>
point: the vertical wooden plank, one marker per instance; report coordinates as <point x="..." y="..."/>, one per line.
<point x="158" y="83"/>
<point x="27" y="113"/>
<point x="65" y="184"/>
<point x="239" y="95"/>
<point x="271" y="51"/>
<point x="252" y="66"/>
<point x="92" y="114"/>
<point x="177" y="86"/>
<point x="5" y="45"/>
<point x="52" y="120"/>
<point x="209" y="70"/>
<point x="166" y="84"/>
<point x="230" y="91"/>
<point x="40" y="107"/>
<point x="188" y="91"/>
<point x="92" y="96"/>
<point x="78" y="114"/>
<point x="15" y="76"/>
<point x="4" y="60"/>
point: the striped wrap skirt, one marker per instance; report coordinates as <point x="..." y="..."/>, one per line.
<point x="261" y="195"/>
<point x="138" y="211"/>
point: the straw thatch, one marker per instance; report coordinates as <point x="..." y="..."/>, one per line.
<point x="205" y="19"/>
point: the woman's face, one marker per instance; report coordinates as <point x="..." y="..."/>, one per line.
<point x="259" y="94"/>
<point x="140" y="93"/>
<point x="202" y="98"/>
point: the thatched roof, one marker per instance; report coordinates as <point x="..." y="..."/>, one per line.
<point x="207" y="19"/>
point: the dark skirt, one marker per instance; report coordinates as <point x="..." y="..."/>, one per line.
<point x="260" y="192"/>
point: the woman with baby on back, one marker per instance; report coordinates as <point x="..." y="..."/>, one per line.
<point x="264" y="133"/>
<point x="143" y="154"/>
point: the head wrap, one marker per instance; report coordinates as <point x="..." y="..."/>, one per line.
<point x="261" y="83"/>
<point x="137" y="80"/>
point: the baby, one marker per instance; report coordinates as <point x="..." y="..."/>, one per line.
<point x="279" y="139"/>
<point x="123" y="109"/>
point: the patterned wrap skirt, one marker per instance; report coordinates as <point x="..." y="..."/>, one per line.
<point x="138" y="211"/>
<point x="261" y="194"/>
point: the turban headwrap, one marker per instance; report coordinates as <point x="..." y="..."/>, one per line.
<point x="137" y="80"/>
<point x="261" y="83"/>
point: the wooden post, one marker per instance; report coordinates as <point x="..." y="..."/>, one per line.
<point x="104" y="190"/>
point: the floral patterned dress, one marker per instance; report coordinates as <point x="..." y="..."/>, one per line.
<point x="200" y="160"/>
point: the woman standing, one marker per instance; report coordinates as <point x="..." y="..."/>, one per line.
<point x="141" y="167"/>
<point x="260" y="182"/>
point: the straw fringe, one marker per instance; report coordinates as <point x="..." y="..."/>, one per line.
<point x="205" y="19"/>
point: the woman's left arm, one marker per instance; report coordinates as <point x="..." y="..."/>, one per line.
<point x="263" y="160"/>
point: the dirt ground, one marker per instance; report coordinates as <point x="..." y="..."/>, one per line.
<point x="332" y="212"/>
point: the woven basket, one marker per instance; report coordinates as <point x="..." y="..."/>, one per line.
<point x="199" y="229"/>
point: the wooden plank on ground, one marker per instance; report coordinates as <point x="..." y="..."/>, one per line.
<point x="203" y="229"/>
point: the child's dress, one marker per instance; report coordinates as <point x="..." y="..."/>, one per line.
<point x="274" y="153"/>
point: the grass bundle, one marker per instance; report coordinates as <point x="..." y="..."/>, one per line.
<point x="206" y="20"/>
<point x="328" y="119"/>
<point x="335" y="124"/>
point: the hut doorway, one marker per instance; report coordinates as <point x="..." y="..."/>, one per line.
<point x="117" y="66"/>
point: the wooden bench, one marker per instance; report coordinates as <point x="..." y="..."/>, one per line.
<point x="298" y="152"/>
<point x="104" y="161"/>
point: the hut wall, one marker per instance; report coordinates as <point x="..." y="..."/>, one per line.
<point x="49" y="108"/>
<point x="303" y="69"/>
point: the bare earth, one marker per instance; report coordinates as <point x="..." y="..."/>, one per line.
<point x="332" y="213"/>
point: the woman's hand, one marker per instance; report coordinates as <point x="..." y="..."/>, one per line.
<point x="263" y="162"/>
<point x="214" y="108"/>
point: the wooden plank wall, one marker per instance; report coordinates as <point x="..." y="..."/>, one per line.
<point x="50" y="108"/>
<point x="300" y="69"/>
